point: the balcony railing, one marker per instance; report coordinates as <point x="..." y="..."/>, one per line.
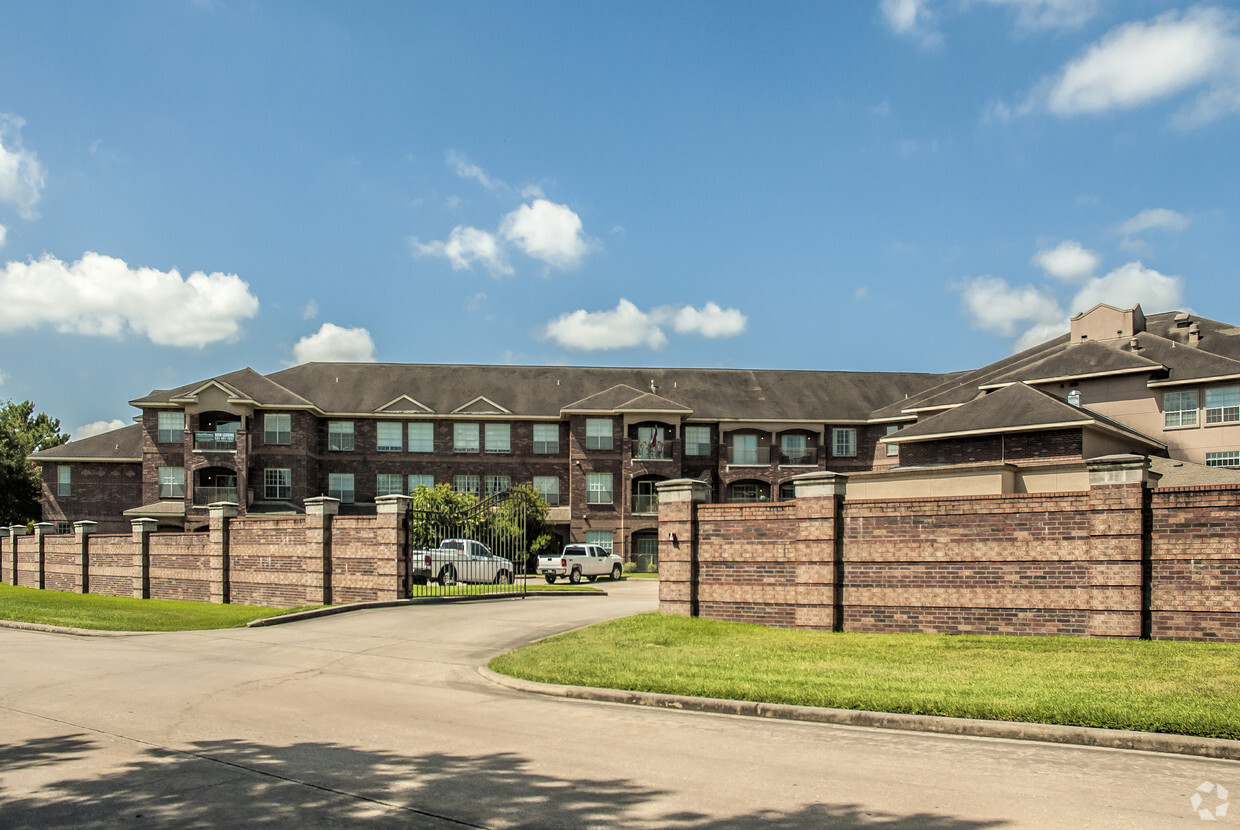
<point x="209" y="495"/>
<point x="805" y="457"/>
<point x="646" y="450"/>
<point x="749" y="456"/>
<point x="646" y="503"/>
<point x="215" y="441"/>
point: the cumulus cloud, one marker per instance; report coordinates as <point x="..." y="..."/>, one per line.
<point x="1131" y="284"/>
<point x="1068" y="261"/>
<point x="4" y="232"/>
<point x="335" y="344"/>
<point x="1153" y="219"/>
<point x="548" y="232"/>
<point x="1142" y="62"/>
<point x="97" y="428"/>
<point x="21" y="174"/>
<point x="465" y="246"/>
<point x="627" y="326"/>
<point x="101" y="295"/>
<point x="1003" y="309"/>
<point x="468" y="170"/>
<point x="310" y="310"/>
<point x="912" y="19"/>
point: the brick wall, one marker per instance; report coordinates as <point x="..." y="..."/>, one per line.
<point x="1068" y="564"/>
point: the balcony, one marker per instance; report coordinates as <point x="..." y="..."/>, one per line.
<point x="215" y="441"/>
<point x="652" y="450"/>
<point x="209" y="495"/>
<point x="806" y="457"/>
<point x="749" y="456"/>
<point x="646" y="503"/>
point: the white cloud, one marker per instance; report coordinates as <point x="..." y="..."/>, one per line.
<point x="335" y="344"/>
<point x="709" y="321"/>
<point x="1138" y="63"/>
<point x="1155" y="218"/>
<point x="101" y="295"/>
<point x="4" y="233"/>
<point x="1131" y="284"/>
<point x="97" y="428"/>
<point x="627" y="326"/>
<point x="310" y="310"/>
<point x="21" y="174"/>
<point x="911" y="18"/>
<point x="1068" y="261"/>
<point x="465" y="246"/>
<point x="468" y="170"/>
<point x="547" y="231"/>
<point x="1050" y="14"/>
<point x="1002" y="309"/>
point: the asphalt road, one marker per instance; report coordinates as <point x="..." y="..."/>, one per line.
<point x="381" y="717"/>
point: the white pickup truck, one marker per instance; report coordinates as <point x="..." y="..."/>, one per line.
<point x="576" y="561"/>
<point x="459" y="560"/>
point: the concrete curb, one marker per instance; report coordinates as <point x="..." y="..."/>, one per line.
<point x="362" y="606"/>
<point x="76" y="632"/>
<point x="1046" y="733"/>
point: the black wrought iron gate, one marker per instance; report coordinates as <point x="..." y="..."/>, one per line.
<point x="484" y="549"/>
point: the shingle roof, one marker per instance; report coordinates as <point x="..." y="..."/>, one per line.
<point x="243" y="384"/>
<point x="1187" y="474"/>
<point x="124" y="444"/>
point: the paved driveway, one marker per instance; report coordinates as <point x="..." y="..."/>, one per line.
<point x="381" y="717"/>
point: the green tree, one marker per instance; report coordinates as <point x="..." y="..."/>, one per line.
<point x="22" y="433"/>
<point x="516" y="527"/>
<point x="438" y="513"/>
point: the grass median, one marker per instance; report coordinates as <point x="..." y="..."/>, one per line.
<point x="104" y="613"/>
<point x="1149" y="686"/>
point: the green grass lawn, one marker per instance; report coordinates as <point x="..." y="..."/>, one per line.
<point x="123" y="613"/>
<point x="1150" y="686"/>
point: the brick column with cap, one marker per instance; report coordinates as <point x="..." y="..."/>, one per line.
<point x="83" y="531"/>
<point x="819" y="550"/>
<point x="320" y="511"/>
<point x="678" y="544"/>
<point x="219" y="517"/>
<point x="1119" y="562"/>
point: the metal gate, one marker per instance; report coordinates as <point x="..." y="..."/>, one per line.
<point x="484" y="549"/>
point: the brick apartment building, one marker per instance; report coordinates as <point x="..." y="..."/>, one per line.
<point x="595" y="441"/>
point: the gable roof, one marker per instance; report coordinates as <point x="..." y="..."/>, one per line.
<point x="124" y="444"/>
<point x="242" y="386"/>
<point x="624" y="398"/>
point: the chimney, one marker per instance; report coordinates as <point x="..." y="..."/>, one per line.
<point x="1194" y="335"/>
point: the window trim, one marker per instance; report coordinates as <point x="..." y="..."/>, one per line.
<point x="411" y="486"/>
<point x="693" y="445"/>
<point x="429" y="428"/>
<point x="64" y="480"/>
<point x="400" y="436"/>
<point x="1228" y="413"/>
<point x="381" y="490"/>
<point x="541" y="444"/>
<point x="849" y="434"/>
<point x="272" y="436"/>
<point x="346" y="496"/>
<point x="337" y="435"/>
<point x="471" y="448"/>
<point x="504" y="444"/>
<point x="277" y="483"/>
<point x="542" y="494"/>
<point x="600" y="441"/>
<point x="594" y="494"/>
<point x="893" y="450"/>
<point x="1180" y="411"/>
<point x="475" y="490"/>
<point x="1226" y="458"/>
<point x="171" y="494"/>
<point x="165" y="435"/>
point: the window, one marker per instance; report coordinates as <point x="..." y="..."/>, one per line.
<point x="422" y="437"/>
<point x="697" y="440"/>
<point x="499" y="437"/>
<point x="548" y="487"/>
<point x="277" y="483"/>
<point x="64" y="475"/>
<point x="652" y="443"/>
<point x="546" y="439"/>
<point x="172" y="482"/>
<point x="340" y="486"/>
<point x="340" y="435"/>
<point x="64" y="527"/>
<point x="748" y="491"/>
<point x="797" y="449"/>
<point x="1223" y="459"/>
<point x="278" y="428"/>
<point x="388" y="435"/>
<point x="893" y="449"/>
<point x="744" y="449"/>
<point x="598" y="433"/>
<point x="389" y="485"/>
<point x="598" y="488"/>
<point x="498" y="484"/>
<point x="844" y="439"/>
<point x="787" y="491"/>
<point x="602" y="538"/>
<point x="465" y="438"/>
<point x="1180" y="409"/>
<point x="465" y="484"/>
<point x="171" y="427"/>
<point x="1223" y="405"/>
<point x="421" y="481"/>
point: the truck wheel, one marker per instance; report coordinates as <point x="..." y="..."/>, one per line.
<point x="615" y="573"/>
<point x="575" y="577"/>
<point x="447" y="576"/>
<point x="550" y="578"/>
<point x="590" y="577"/>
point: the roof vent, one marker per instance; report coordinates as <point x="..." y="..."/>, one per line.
<point x="1182" y="319"/>
<point x="1074" y="397"/>
<point x="1134" y="344"/>
<point x="1194" y="334"/>
<point x="653" y="388"/>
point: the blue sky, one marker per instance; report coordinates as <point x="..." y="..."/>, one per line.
<point x="187" y="188"/>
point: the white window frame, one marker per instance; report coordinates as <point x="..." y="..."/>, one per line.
<point x="600" y="434"/>
<point x="1230" y="458"/>
<point x="498" y="437"/>
<point x="599" y="488"/>
<point x="340" y="436"/>
<point x="172" y="482"/>
<point x="844" y="442"/>
<point x="341" y="486"/>
<point x="64" y="480"/>
<point x="389" y="484"/>
<point x="277" y="483"/>
<point x="421" y="436"/>
<point x="395" y="433"/>
<point x="497" y="484"/>
<point x="893" y="449"/>
<point x="421" y="479"/>
<point x="277" y="428"/>
<point x="546" y="439"/>
<point x="466" y="438"/>
<point x="1180" y="408"/>
<point x="467" y="484"/>
<point x="604" y="539"/>
<point x="808" y="447"/>
<point x="171" y="428"/>
<point x="548" y="488"/>
<point x="1223" y="405"/>
<point x="695" y="444"/>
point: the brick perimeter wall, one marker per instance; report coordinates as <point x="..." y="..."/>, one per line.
<point x="1045" y="564"/>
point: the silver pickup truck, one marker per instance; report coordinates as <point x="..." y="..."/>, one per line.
<point x="459" y="560"/>
<point x="576" y="561"/>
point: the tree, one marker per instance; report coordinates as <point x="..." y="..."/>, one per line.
<point x="515" y="526"/>
<point x="22" y="433"/>
<point x="438" y="513"/>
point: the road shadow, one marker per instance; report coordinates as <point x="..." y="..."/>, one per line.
<point x="237" y="783"/>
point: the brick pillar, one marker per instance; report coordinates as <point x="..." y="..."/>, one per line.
<point x="142" y="530"/>
<point x="319" y="513"/>
<point x="83" y="530"/>
<point x="14" y="532"/>
<point x="678" y="544"/>
<point x="219" y="519"/>
<point x="391" y="534"/>
<point x="819" y="552"/>
<point x="1118" y="549"/>
<point x="41" y="531"/>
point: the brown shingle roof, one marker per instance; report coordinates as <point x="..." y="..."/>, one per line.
<point x="124" y="444"/>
